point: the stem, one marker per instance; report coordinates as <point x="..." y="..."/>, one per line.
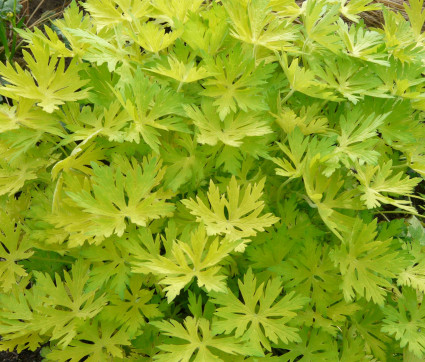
<point x="289" y="95"/>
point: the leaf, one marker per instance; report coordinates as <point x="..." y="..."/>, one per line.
<point x="180" y="71"/>
<point x="237" y="82"/>
<point x="315" y="344"/>
<point x="128" y="190"/>
<point x="109" y="13"/>
<point x="169" y="10"/>
<point x="199" y="258"/>
<point x="351" y="9"/>
<point x="304" y="80"/>
<point x="96" y="341"/>
<point x="262" y="317"/>
<point x="230" y="131"/>
<point x="152" y="36"/>
<point x="46" y="82"/>
<point x="362" y="44"/>
<point x="65" y="304"/>
<point x="132" y="309"/>
<point x="243" y="210"/>
<point x="377" y="181"/>
<point x="366" y="264"/>
<point x="319" y="20"/>
<point x="194" y="341"/>
<point x="407" y="322"/>
<point x="150" y="108"/>
<point x="254" y="23"/>
<point x="14" y="246"/>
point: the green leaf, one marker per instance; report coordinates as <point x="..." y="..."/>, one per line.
<point x="262" y="317"/>
<point x="47" y="82"/>
<point x="194" y="341"/>
<point x="199" y="258"/>
<point x="243" y="210"/>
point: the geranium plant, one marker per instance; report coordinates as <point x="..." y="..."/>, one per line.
<point x="235" y="180"/>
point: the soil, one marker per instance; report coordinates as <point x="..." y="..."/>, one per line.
<point x="24" y="356"/>
<point x="36" y="10"/>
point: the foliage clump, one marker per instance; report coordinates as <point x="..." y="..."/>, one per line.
<point x="233" y="180"/>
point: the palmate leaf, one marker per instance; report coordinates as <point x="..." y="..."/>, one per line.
<point x="406" y="322"/>
<point x="376" y="182"/>
<point x="109" y="13"/>
<point x="199" y="258"/>
<point x="152" y="36"/>
<point x="366" y="264"/>
<point x="262" y="317"/>
<point x="362" y="43"/>
<point x="320" y="23"/>
<point x="46" y="82"/>
<point x="180" y="71"/>
<point x="65" y="303"/>
<point x="95" y="341"/>
<point x="328" y="196"/>
<point x="14" y="246"/>
<point x="17" y="310"/>
<point x="254" y="22"/>
<point x="123" y="191"/>
<point x="230" y="131"/>
<point x="89" y="123"/>
<point x="169" y="10"/>
<point x="316" y="345"/>
<point x="150" y="107"/>
<point x="243" y="210"/>
<point x="348" y="79"/>
<point x="351" y="9"/>
<point x="304" y="80"/>
<point x="208" y="32"/>
<point x="132" y="309"/>
<point x="237" y="82"/>
<point x="194" y="341"/>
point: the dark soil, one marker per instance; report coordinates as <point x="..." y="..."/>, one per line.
<point x="24" y="356"/>
<point x="36" y="10"/>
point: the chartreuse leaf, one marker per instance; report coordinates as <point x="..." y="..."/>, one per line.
<point x="65" y="305"/>
<point x="109" y="13"/>
<point x="366" y="264"/>
<point x="262" y="317"/>
<point x="237" y="82"/>
<point x="198" y="258"/>
<point x="376" y="182"/>
<point x="362" y="43"/>
<point x="413" y="275"/>
<point x="208" y="31"/>
<point x="406" y="322"/>
<point x="132" y="309"/>
<point x="320" y="24"/>
<point x="96" y="341"/>
<point x="194" y="341"/>
<point x="243" y="210"/>
<point x="254" y="22"/>
<point x="326" y="194"/>
<point x="230" y="131"/>
<point x="304" y="80"/>
<point x="316" y="345"/>
<point x="416" y="14"/>
<point x="47" y="81"/>
<point x="128" y="190"/>
<point x="169" y="10"/>
<point x="150" y="108"/>
<point x="18" y="327"/>
<point x="14" y="246"/>
<point x="152" y="36"/>
<point x="352" y="9"/>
